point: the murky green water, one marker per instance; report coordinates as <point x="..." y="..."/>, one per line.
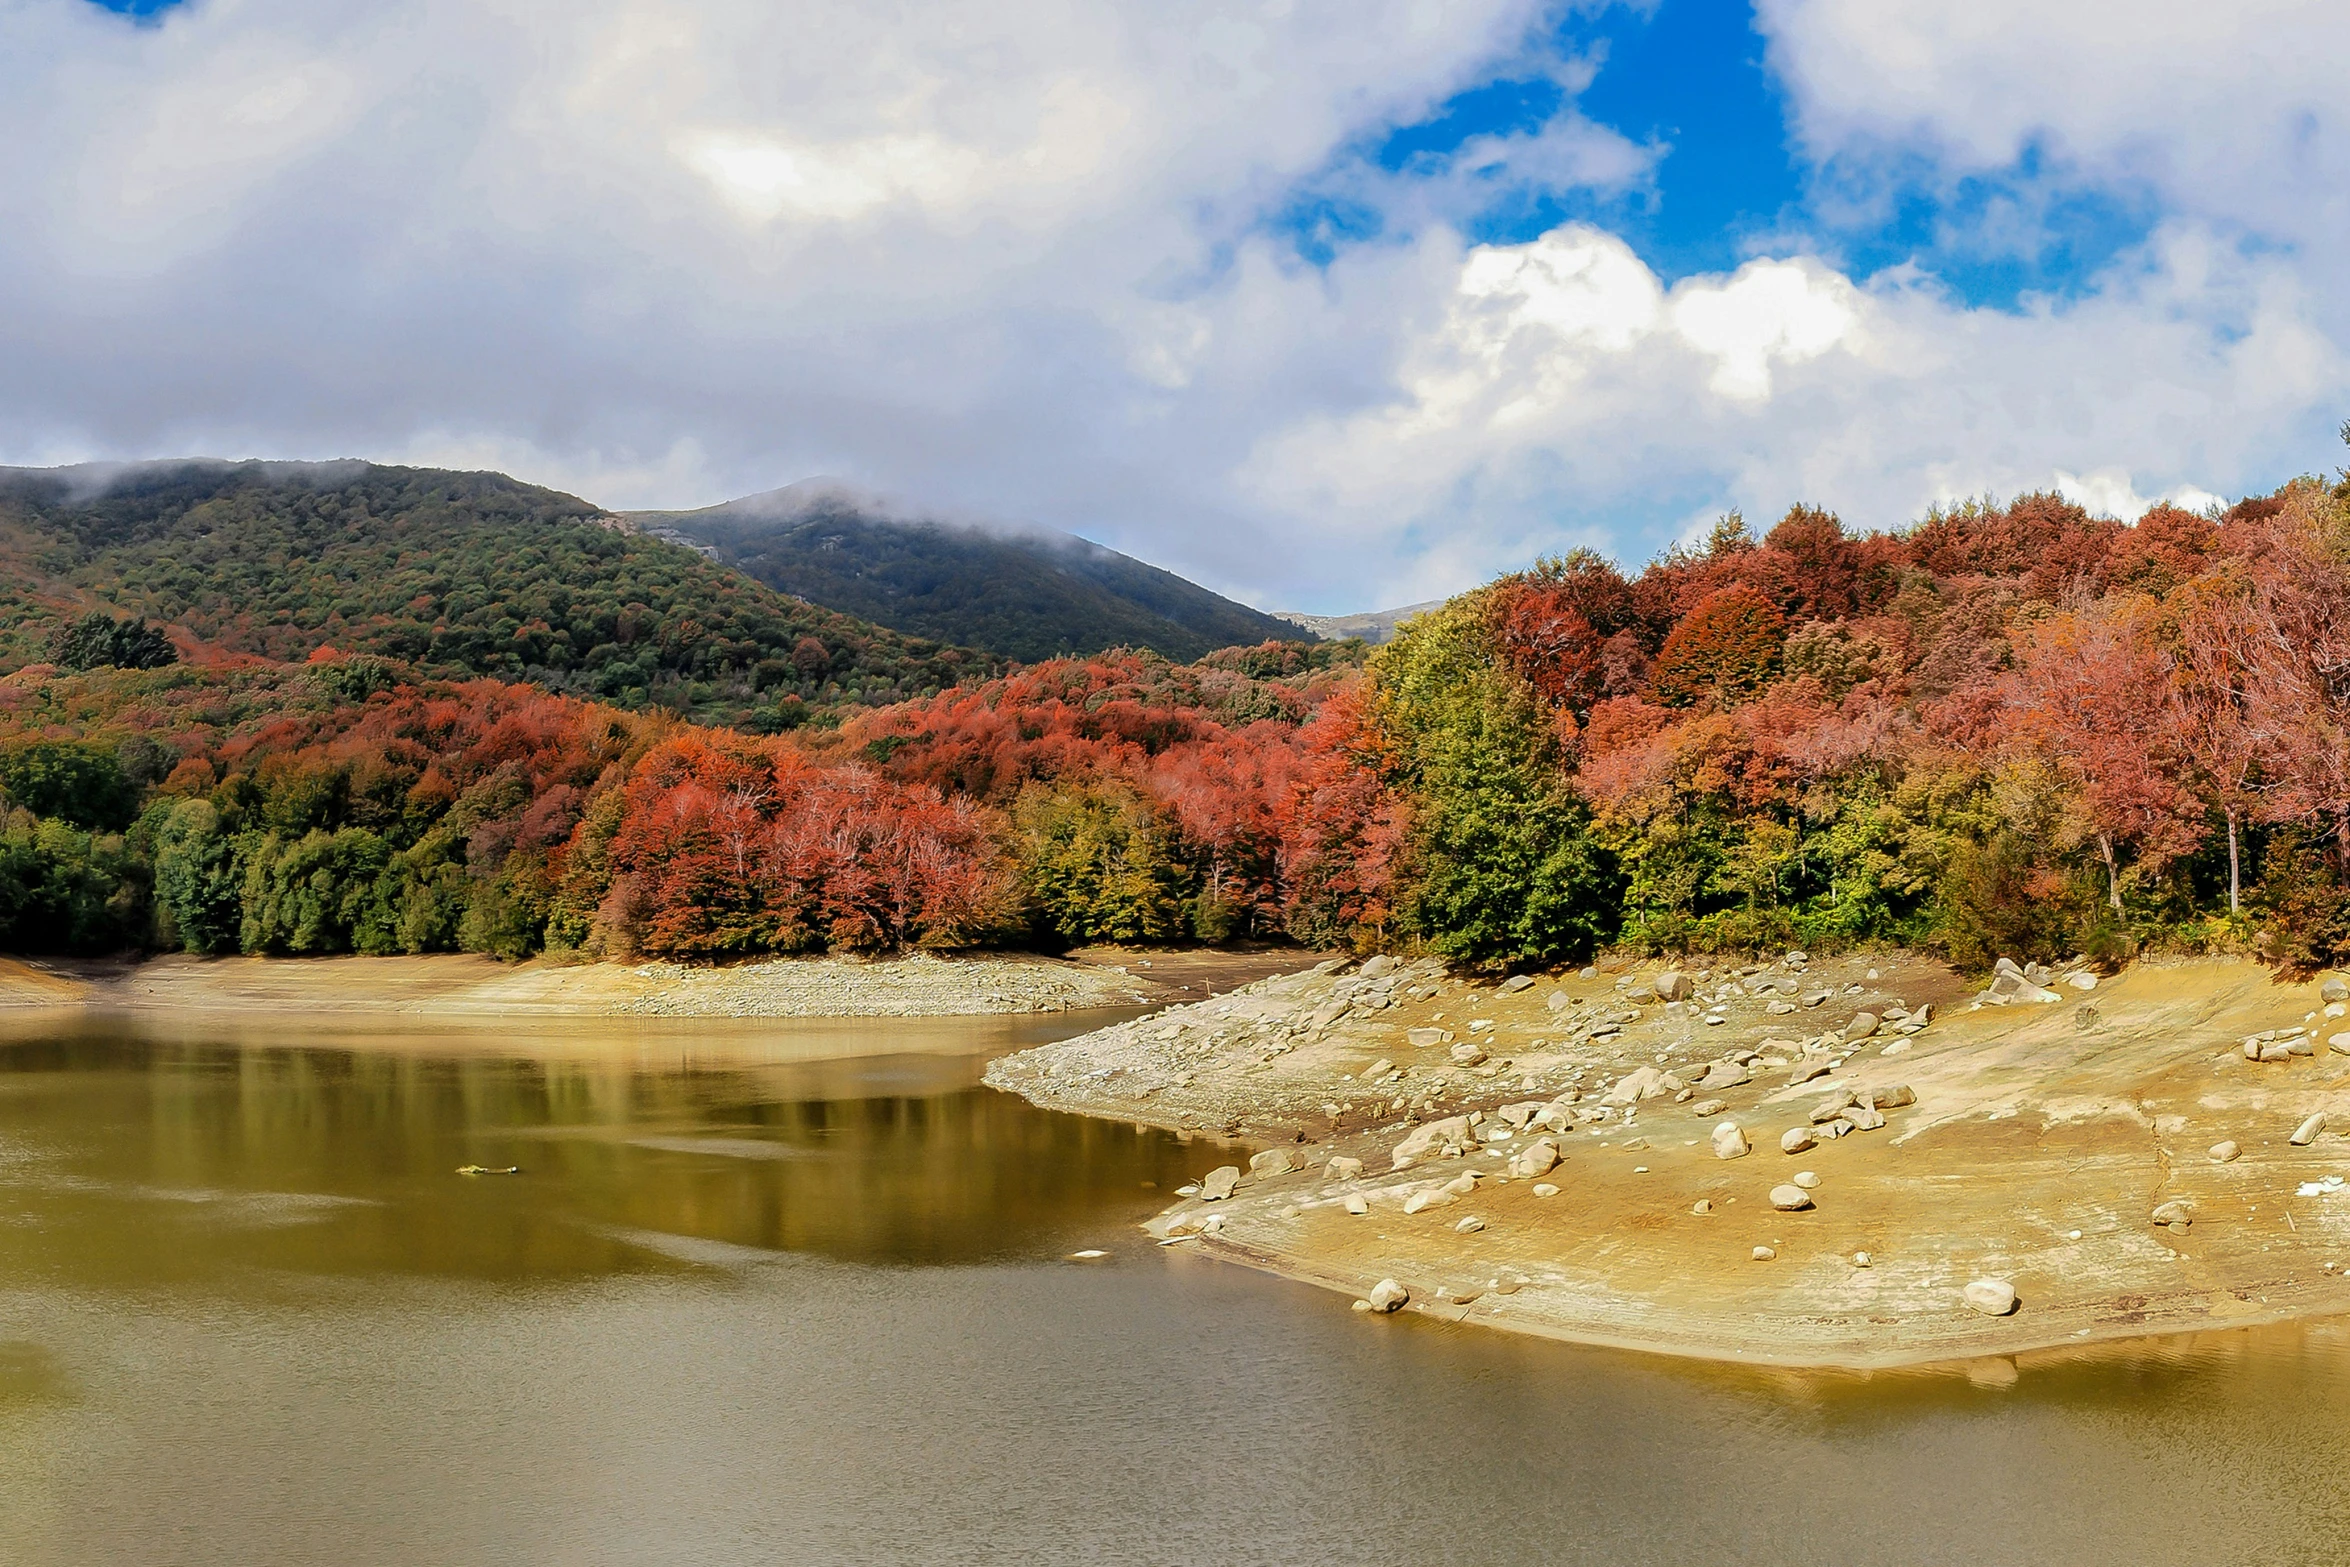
<point x="747" y="1304"/>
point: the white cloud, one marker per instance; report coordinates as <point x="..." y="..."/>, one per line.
<point x="1011" y="259"/>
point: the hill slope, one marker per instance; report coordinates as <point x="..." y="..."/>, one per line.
<point x="455" y="572"/>
<point x="1029" y="595"/>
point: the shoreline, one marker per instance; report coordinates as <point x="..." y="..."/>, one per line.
<point x="2035" y="1144"/>
<point x="458" y="987"/>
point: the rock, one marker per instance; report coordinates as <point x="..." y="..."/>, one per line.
<point x="1545" y="1189"/>
<point x="1522" y="1113"/>
<point x="1991" y="1297"/>
<point x="2010" y="988"/>
<point x="1356" y="1205"/>
<point x="1702" y="1207"/>
<point x="1431" y="1140"/>
<point x="2225" y="1152"/>
<point x="2081" y="979"/>
<point x="2304" y="1046"/>
<point x="1461" y="1185"/>
<point x="1219" y="1183"/>
<point x="1831" y="1107"/>
<point x="1705" y="1108"/>
<point x="1809" y="1180"/>
<point x="1362" y="1305"/>
<point x="2339" y="1044"/>
<point x="1344" y="1168"/>
<point x="1725" y="1074"/>
<point x="1422" y="1038"/>
<point x="2175" y="1214"/>
<point x="1559" y="1001"/>
<point x="1860" y="1259"/>
<point x="2335" y="989"/>
<point x="1892" y="1098"/>
<point x="1779" y="1008"/>
<point x="1377" y="1069"/>
<point x="1729" y="1139"/>
<point x="1816" y="998"/>
<point x="1515" y="983"/>
<point x="1273" y="1161"/>
<point x="1797" y="1139"/>
<point x="1428" y="1197"/>
<point x="1673" y="985"/>
<point x="2306" y="1132"/>
<point x="1468" y="1052"/>
<point x="1805" y="1071"/>
<point x="1640" y="1083"/>
<point x="1387" y="1295"/>
<point x="1539" y="1158"/>
<point x="1470" y="1225"/>
<point x="1861" y="1118"/>
<point x="2274" y="1051"/>
<point x="1829" y="1131"/>
<point x="1863" y="1024"/>
<point x="1764" y="1253"/>
<point x="1377" y="967"/>
<point x="1790" y="1199"/>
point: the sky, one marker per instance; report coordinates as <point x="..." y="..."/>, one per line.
<point x="1327" y="304"/>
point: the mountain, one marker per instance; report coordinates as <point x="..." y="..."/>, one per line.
<point x="455" y="573"/>
<point x="1028" y="594"/>
<point x="1375" y="626"/>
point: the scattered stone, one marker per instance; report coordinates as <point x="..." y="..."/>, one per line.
<point x="1991" y="1297"/>
<point x="2334" y="990"/>
<point x="1702" y="1207"/>
<point x="1790" y="1199"/>
<point x="1219" y="1183"/>
<point x="1860" y="1259"/>
<point x="1470" y="1225"/>
<point x="1377" y="1069"/>
<point x="1356" y="1205"/>
<point x="1725" y="1074"/>
<point x="1765" y="1253"/>
<point x="2225" y="1152"/>
<point x="1468" y="1052"/>
<point x="2306" y="1132"/>
<point x="1515" y="983"/>
<point x="1422" y="1038"/>
<point x="1705" y="1108"/>
<point x="1640" y="1083"/>
<point x="1377" y="967"/>
<point x="2010" y="984"/>
<point x="2339" y="1044"/>
<point x="1833" y="1106"/>
<point x="1673" y="985"/>
<point x="1387" y="1295"/>
<point x="1344" y="1168"/>
<point x="1809" y="1180"/>
<point x="1729" y="1140"/>
<point x="1892" y="1098"/>
<point x="1362" y="1305"/>
<point x="1559" y="1001"/>
<point x="1863" y="1024"/>
<point x="2177" y="1215"/>
<point x="2081" y="979"/>
<point x="1545" y="1189"/>
<point x="1273" y="1161"/>
<point x="1797" y="1139"/>
<point x="1805" y="1071"/>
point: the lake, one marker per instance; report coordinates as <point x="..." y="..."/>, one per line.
<point x="803" y="1293"/>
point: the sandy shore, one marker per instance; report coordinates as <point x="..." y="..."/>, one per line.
<point x="2043" y="1139"/>
<point x="916" y="985"/>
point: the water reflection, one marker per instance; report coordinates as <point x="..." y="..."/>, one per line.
<point x="127" y="1160"/>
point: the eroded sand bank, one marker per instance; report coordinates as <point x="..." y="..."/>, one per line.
<point x="2043" y="1138"/>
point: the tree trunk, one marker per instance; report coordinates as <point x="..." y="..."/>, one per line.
<point x="2235" y="868"/>
<point x="2113" y="879"/>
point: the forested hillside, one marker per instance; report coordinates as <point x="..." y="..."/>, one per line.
<point x="453" y="572"/>
<point x="2005" y="729"/>
<point x="1026" y="595"/>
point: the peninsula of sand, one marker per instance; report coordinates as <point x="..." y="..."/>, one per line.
<point x="1856" y="1162"/>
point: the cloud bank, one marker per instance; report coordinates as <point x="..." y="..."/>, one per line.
<point x="1023" y="260"/>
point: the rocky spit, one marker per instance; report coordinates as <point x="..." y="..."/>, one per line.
<point x="1861" y="1161"/>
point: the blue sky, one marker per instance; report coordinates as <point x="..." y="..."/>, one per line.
<point x="1329" y="304"/>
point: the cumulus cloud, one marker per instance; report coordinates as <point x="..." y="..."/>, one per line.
<point x="1018" y="260"/>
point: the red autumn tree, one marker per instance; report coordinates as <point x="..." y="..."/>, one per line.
<point x="1721" y="651"/>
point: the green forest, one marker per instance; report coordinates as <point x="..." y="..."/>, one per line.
<point x="453" y="573"/>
